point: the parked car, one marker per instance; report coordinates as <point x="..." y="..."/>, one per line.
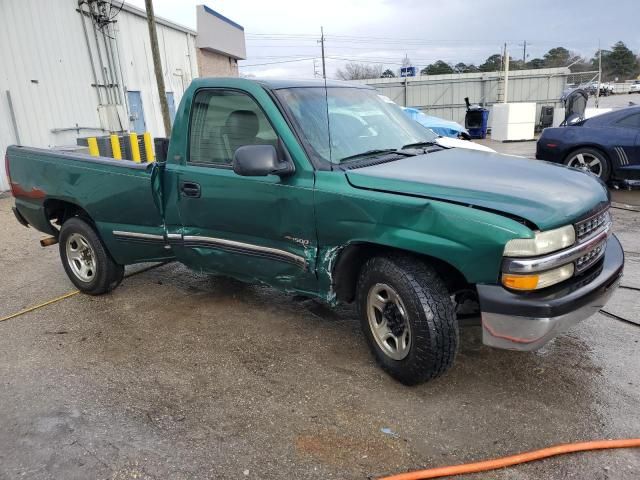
<point x="271" y="182"/>
<point x="635" y="87"/>
<point x="450" y="134"/>
<point x="606" y="89"/>
<point x="607" y="145"/>
<point x="445" y="128"/>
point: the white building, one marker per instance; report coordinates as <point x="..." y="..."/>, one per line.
<point x="72" y="69"/>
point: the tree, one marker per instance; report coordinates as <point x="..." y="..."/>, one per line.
<point x="359" y="71"/>
<point x="535" y="63"/>
<point x="492" y="64"/>
<point x="438" y="68"/>
<point x="557" y="57"/>
<point x="388" y="73"/>
<point x="579" y="64"/>
<point x="619" y="62"/>
<point x="462" y="67"/>
<point x="516" y="64"/>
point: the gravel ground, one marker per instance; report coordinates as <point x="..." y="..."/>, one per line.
<point x="179" y="375"/>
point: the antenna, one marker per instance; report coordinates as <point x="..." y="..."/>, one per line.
<point x="326" y="97"/>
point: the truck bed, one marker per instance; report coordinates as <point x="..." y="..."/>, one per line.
<point x="115" y="194"/>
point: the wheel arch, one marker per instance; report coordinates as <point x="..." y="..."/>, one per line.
<point x="59" y="211"/>
<point x="352" y="258"/>
<point x="592" y="146"/>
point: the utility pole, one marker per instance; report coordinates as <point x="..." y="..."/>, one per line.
<point x="324" y="72"/>
<point x="599" y="74"/>
<point x="524" y="53"/>
<point x="157" y="65"/>
<point x="506" y="74"/>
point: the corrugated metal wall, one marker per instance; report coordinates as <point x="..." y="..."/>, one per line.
<point x="443" y="95"/>
<point x="44" y="64"/>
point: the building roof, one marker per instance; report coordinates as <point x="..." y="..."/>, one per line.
<point x="222" y="17"/>
<point x="162" y="21"/>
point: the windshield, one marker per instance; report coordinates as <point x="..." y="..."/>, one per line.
<point x="360" y="120"/>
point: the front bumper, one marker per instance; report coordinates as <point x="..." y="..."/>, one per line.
<point x="527" y="321"/>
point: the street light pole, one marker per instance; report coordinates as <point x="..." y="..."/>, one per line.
<point x="157" y="66"/>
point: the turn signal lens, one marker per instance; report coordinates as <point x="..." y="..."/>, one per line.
<point x="539" y="280"/>
<point x="541" y="243"/>
<point x="520" y="282"/>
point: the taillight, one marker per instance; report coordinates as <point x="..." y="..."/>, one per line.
<point x="6" y="168"/>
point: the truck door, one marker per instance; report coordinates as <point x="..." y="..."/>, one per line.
<point x="253" y="228"/>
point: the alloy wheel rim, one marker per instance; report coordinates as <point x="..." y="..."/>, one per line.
<point x="586" y="162"/>
<point x="388" y="321"/>
<point x="80" y="257"/>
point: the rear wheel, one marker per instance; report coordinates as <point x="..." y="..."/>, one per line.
<point x="408" y="318"/>
<point x="589" y="160"/>
<point x="85" y="259"/>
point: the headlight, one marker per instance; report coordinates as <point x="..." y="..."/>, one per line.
<point x="537" y="281"/>
<point x="543" y="242"/>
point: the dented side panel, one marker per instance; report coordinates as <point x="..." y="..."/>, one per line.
<point x="469" y="239"/>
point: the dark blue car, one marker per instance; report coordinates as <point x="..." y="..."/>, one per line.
<point x="607" y="145"/>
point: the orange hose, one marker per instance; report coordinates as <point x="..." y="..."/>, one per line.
<point x="514" y="459"/>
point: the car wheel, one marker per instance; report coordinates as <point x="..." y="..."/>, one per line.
<point x="85" y="259"/>
<point x="590" y="160"/>
<point x="408" y="318"/>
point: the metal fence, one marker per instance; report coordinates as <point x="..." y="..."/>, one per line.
<point x="443" y="95"/>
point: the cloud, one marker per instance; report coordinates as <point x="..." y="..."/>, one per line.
<point x="426" y="30"/>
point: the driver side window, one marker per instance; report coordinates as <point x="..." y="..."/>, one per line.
<point x="222" y="121"/>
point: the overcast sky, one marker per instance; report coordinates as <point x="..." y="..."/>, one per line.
<point x="383" y="31"/>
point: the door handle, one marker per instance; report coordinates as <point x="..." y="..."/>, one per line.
<point x="190" y="189"/>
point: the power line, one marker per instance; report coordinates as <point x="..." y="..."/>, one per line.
<point x="274" y="63"/>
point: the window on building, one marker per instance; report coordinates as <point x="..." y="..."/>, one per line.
<point x="221" y="122"/>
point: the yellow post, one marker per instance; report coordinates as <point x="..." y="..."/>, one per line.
<point x="135" y="148"/>
<point x="148" y="147"/>
<point x="93" y="147"/>
<point x="115" y="147"/>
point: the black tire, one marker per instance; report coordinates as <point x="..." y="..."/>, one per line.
<point x="105" y="274"/>
<point x="430" y="314"/>
<point x="606" y="165"/>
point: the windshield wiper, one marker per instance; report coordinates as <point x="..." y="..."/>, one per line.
<point x="376" y="151"/>
<point x="417" y="144"/>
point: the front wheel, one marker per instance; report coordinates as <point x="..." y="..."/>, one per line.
<point x="85" y="259"/>
<point x="589" y="160"/>
<point x="408" y="318"/>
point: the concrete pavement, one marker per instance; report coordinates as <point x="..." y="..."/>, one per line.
<point x="179" y="375"/>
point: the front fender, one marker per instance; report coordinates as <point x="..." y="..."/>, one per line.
<point x="469" y="239"/>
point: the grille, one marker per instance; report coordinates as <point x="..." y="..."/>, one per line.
<point x="590" y="257"/>
<point x="586" y="228"/>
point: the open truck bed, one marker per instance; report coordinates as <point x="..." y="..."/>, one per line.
<point x="115" y="194"/>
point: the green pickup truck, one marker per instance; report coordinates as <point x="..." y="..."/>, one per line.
<point x="332" y="192"/>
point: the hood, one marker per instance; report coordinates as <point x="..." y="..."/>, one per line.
<point x="457" y="143"/>
<point x="543" y="193"/>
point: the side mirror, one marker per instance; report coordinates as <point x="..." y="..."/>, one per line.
<point x="259" y="161"/>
